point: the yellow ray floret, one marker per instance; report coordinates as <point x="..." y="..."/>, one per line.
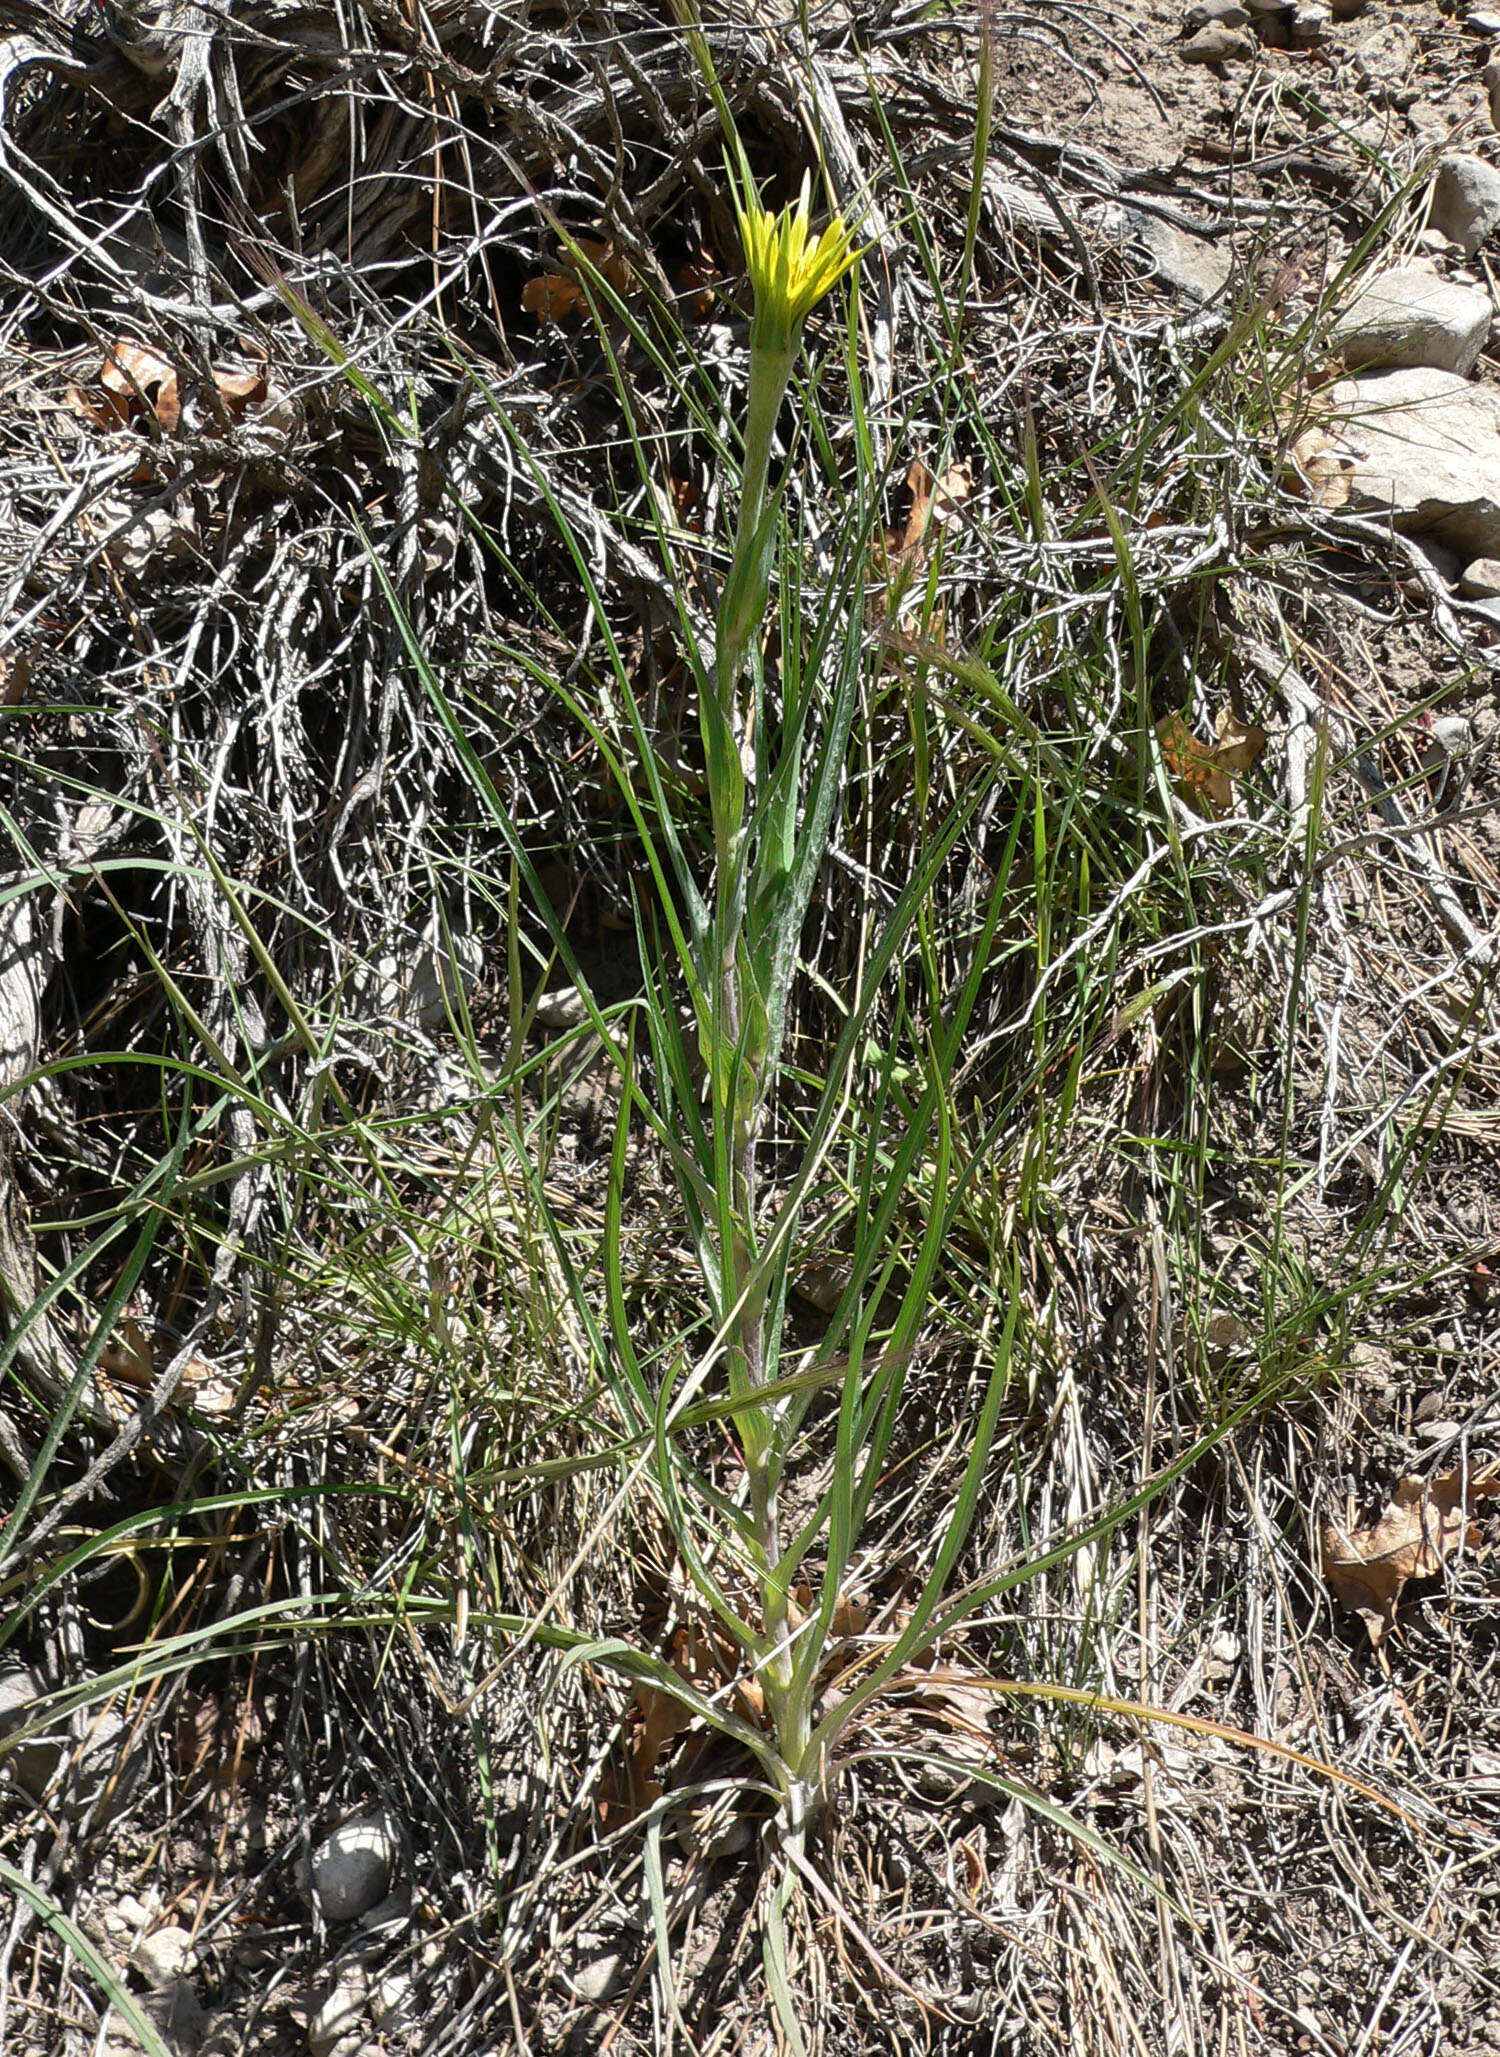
<point x="790" y="269"/>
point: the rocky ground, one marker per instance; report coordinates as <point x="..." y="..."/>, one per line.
<point x="278" y="1850"/>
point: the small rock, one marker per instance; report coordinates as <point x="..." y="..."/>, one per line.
<point x="1481" y="579"/>
<point x="163" y="1956"/>
<point x="563" y="1008"/>
<point x="1226" y="1647"/>
<point x="392" y="2002"/>
<point x="1492" y="87"/>
<point x="1014" y="206"/>
<point x="1272" y="21"/>
<point x="174" y="2011"/>
<point x="1411" y="316"/>
<point x="1383" y="64"/>
<point x="1217" y="45"/>
<point x="1311" y="25"/>
<point x="1466" y="201"/>
<point x="126" y="1916"/>
<point x="1445" y="752"/>
<point x="1346" y="10"/>
<point x="340" y="2011"/>
<point x="1484" y="21"/>
<point x="1438" y="1431"/>
<point x="351" y="1867"/>
<point x="179" y="2015"/>
<point x="34" y="1761"/>
<point x="389" y="1914"/>
<point x="1190" y="265"/>
<point x="597" y="1975"/>
<point x="1228" y="14"/>
<point x="112" y="1757"/>
<point x="1424" y="448"/>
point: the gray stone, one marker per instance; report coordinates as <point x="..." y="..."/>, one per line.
<point x="163" y="1956"/>
<point x="597" y="1974"/>
<point x="351" y="1867"/>
<point x="1229" y="14"/>
<point x="1216" y="44"/>
<point x="1425" y="449"/>
<point x="111" y="1758"/>
<point x="393" y="2002"/>
<point x="1017" y="206"/>
<point x="174" y="2011"/>
<point x="1190" y="265"/>
<point x="1411" y="316"/>
<point x="1311" y="24"/>
<point x="338" y="2012"/>
<point x="1466" y="201"/>
<point x="33" y="1762"/>
<point x="1481" y="579"/>
<point x="1383" y="64"/>
<point x="1492" y="87"/>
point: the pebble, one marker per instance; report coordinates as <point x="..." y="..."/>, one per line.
<point x="596" y="1977"/>
<point x="1425" y="447"/>
<point x="1466" y="201"/>
<point x="1383" y="64"/>
<point x="1311" y="24"/>
<point x="1492" y="87"/>
<point x="352" y="1866"/>
<point x="1217" y="45"/>
<point x="392" y="2002"/>
<point x="163" y="1956"/>
<point x="33" y="1762"/>
<point x="1438" y="1431"/>
<point x="563" y="1008"/>
<point x="1412" y="316"/>
<point x="1481" y="579"/>
<point x="339" y="2013"/>
<point x="1228" y="13"/>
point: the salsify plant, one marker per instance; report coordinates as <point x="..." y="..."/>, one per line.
<point x="776" y="758"/>
<point x="864" y="1135"/>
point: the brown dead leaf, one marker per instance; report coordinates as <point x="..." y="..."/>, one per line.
<point x="239" y="390"/>
<point x="107" y="411"/>
<point x="1424" y="1524"/>
<point x="552" y="297"/>
<point x="128" y="1355"/>
<point x="949" y="494"/>
<point x="1206" y="769"/>
<point x="15" y="677"/>
<point x="557" y="294"/>
<point x="1320" y="468"/>
<point x="703" y="1660"/>
<point x="700" y="279"/>
<point x="133" y="371"/>
<point x="906" y="540"/>
<point x="934" y="503"/>
<point x="1238" y="744"/>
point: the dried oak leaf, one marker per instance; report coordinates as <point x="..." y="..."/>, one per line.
<point x="1425" y="1523"/>
<point x="934" y="501"/>
<point x="557" y="294"/>
<point x="134" y="371"/>
<point x="1321" y="468"/>
<point x="1206" y="769"/>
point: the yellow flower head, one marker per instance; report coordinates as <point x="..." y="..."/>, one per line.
<point x="790" y="269"/>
